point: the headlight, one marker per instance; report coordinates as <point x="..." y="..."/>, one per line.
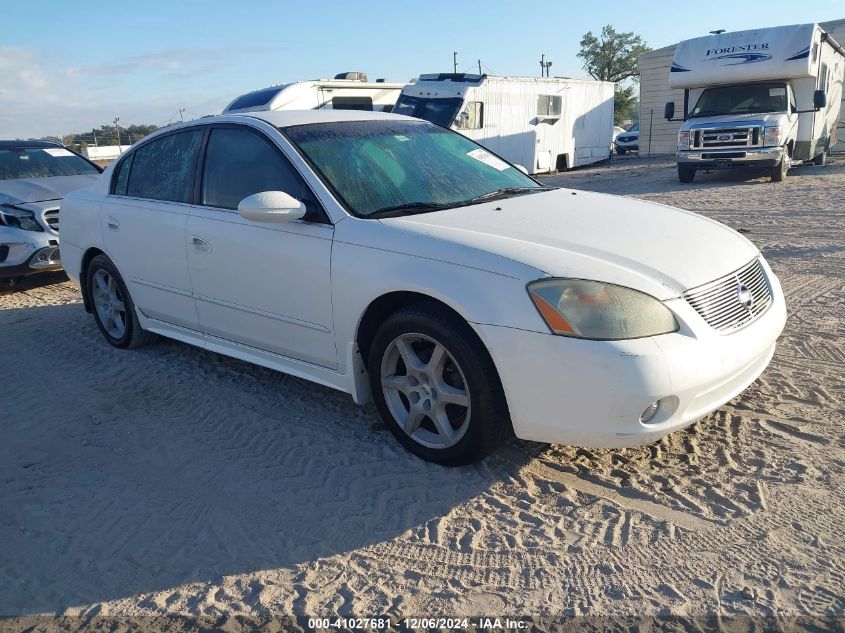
<point x="19" y="218"/>
<point x="599" y="311"/>
<point x="771" y="137"/>
<point x="683" y="140"/>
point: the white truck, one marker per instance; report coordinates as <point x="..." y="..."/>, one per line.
<point x="766" y="98"/>
<point x="347" y="91"/>
<point x="543" y="124"/>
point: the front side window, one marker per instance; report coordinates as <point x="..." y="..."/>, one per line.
<point x="549" y="105"/>
<point x="741" y="99"/>
<point x="163" y="169"/>
<point x="471" y="117"/>
<point x="239" y="163"/>
<point x="42" y="162"/>
<point x="380" y="168"/>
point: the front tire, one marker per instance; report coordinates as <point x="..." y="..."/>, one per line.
<point x="685" y="174"/>
<point x="114" y="310"/>
<point x="780" y="170"/>
<point x="436" y="387"/>
<point x="821" y="159"/>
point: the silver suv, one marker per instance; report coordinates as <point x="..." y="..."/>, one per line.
<point x="34" y="177"/>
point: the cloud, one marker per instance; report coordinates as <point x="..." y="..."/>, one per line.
<point x="46" y="96"/>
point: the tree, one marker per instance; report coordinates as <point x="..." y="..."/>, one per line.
<point x="613" y="56"/>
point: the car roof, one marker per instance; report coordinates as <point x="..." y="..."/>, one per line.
<point x="24" y="144"/>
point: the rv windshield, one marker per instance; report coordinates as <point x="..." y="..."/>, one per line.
<point x="439" y="111"/>
<point x="741" y="99"/>
<point x="387" y="168"/>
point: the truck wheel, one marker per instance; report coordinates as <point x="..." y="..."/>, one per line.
<point x="779" y="170"/>
<point x="685" y="174"/>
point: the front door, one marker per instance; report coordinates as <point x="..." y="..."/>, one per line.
<point x="263" y="285"/>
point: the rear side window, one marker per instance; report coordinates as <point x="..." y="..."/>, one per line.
<point x="121" y="177"/>
<point x="163" y="169"/>
<point x="239" y="163"/>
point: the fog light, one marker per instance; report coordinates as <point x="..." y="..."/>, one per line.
<point x="650" y="411"/>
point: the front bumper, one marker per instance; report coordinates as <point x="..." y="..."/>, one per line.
<point x="592" y="393"/>
<point x="27" y="252"/>
<point x="762" y="157"/>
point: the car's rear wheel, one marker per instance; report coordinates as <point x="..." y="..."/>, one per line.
<point x="821" y="159"/>
<point x="112" y="305"/>
<point x="435" y="386"/>
<point x="685" y="174"/>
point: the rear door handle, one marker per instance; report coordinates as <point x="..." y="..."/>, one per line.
<point x="200" y="245"/>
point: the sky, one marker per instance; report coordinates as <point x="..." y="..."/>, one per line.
<point x="73" y="66"/>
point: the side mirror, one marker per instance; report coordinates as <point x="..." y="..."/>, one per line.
<point x="669" y="111"/>
<point x="271" y="206"/>
<point x="522" y="169"/>
<point x="819" y="99"/>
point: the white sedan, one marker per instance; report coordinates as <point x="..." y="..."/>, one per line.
<point x="401" y="262"/>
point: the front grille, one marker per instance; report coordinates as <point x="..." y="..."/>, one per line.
<point x="51" y="217"/>
<point x="719" y="303"/>
<point x="747" y="136"/>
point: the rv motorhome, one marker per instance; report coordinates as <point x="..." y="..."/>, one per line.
<point x="347" y="91"/>
<point x="767" y="98"/>
<point x="543" y="124"/>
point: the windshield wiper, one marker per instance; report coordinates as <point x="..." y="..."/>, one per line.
<point x="409" y="208"/>
<point x="507" y="191"/>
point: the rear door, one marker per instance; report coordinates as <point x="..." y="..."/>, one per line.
<point x="264" y="285"/>
<point x="143" y="224"/>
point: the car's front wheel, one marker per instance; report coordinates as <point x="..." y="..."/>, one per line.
<point x="113" y="308"/>
<point x="686" y="174"/>
<point x="436" y="387"/>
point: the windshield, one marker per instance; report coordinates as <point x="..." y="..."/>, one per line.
<point x="438" y="111"/>
<point x="41" y="162"/>
<point x="634" y="128"/>
<point x="741" y="99"/>
<point x="395" y="167"/>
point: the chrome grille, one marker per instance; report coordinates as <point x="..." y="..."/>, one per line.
<point x="748" y="136"/>
<point x="719" y="301"/>
<point x="51" y="217"/>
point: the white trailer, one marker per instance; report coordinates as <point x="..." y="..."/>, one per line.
<point x="767" y="98"/>
<point x="347" y="91"/>
<point x="543" y="124"/>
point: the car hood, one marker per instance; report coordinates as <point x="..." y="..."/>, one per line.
<point x="41" y="189"/>
<point x="566" y="233"/>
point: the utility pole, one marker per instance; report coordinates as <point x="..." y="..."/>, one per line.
<point x="455" y="62"/>
<point x="117" y="129"/>
<point x="544" y="66"/>
<point x="181" y="111"/>
<point x="479" y="67"/>
<point x="94" y="132"/>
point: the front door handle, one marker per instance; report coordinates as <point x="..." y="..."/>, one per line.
<point x="200" y="245"/>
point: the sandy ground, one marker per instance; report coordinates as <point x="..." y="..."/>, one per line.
<point x="170" y="480"/>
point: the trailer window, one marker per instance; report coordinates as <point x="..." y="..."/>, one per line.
<point x="471" y="117"/>
<point x="350" y="103"/>
<point x="549" y="105"/>
<point x="255" y="99"/>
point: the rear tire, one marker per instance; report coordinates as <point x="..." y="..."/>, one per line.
<point x="436" y="387"/>
<point x="821" y="159"/>
<point x="113" y="308"/>
<point x="686" y="175"/>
